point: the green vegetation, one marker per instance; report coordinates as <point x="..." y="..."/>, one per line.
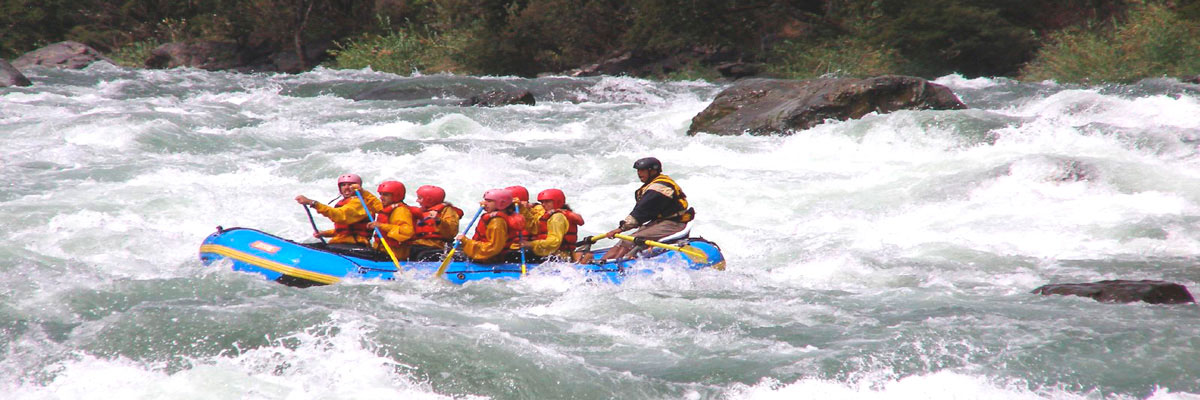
<point x="402" y="51"/>
<point x="1151" y="42"/>
<point x="1066" y="40"/>
<point x="842" y="57"/>
<point x="134" y="55"/>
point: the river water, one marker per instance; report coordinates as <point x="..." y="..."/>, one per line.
<point x="887" y="257"/>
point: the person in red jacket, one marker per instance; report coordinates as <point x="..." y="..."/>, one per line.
<point x="435" y="224"/>
<point x="394" y="221"/>
<point x="497" y="229"/>
<point x="348" y="216"/>
<point x="557" y="227"/>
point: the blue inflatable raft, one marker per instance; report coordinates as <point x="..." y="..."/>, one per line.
<point x="311" y="264"/>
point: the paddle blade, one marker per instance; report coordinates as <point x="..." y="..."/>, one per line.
<point x="695" y="254"/>
<point x="445" y="263"/>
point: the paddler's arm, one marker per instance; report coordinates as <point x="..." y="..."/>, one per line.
<point x="449" y="223"/>
<point x="556" y="227"/>
<point x="401" y="228"/>
<point x="497" y="235"/>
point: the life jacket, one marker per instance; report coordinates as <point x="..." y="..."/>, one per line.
<point x="679" y="210"/>
<point x="425" y="222"/>
<point x="573" y="222"/>
<point x="384" y="217"/>
<point x="515" y="224"/>
<point x="358" y="230"/>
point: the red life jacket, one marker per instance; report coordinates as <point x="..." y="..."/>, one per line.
<point x="573" y="222"/>
<point x="358" y="230"/>
<point x="425" y="222"/>
<point x="385" y="217"/>
<point x="515" y="223"/>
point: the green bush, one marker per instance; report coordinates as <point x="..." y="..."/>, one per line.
<point x="1151" y="41"/>
<point x="400" y="51"/>
<point x="134" y="55"/>
<point x="845" y="57"/>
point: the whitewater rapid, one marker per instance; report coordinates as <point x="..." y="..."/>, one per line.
<point x="886" y="257"/>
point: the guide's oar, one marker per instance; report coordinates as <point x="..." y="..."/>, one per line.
<point x="371" y="216"/>
<point x="693" y="253"/>
<point x="520" y="238"/>
<point x="446" y="262"/>
<point x="314" y="224"/>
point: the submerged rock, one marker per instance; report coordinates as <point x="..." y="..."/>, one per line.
<point x="499" y="98"/>
<point x="779" y="107"/>
<point x="71" y="55"/>
<point x="1123" y="291"/>
<point x="9" y="76"/>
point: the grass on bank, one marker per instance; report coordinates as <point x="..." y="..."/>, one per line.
<point x="1151" y="42"/>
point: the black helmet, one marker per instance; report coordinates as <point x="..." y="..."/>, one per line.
<point x="648" y="163"/>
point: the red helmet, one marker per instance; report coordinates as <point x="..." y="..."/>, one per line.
<point x="518" y="192"/>
<point x="349" y="178"/>
<point x="502" y="197"/>
<point x="430" y="195"/>
<point x="554" y="195"/>
<point x="395" y="188"/>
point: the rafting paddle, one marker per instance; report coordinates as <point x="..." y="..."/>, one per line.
<point x="521" y="237"/>
<point x="692" y="253"/>
<point x="446" y="262"/>
<point x="314" y="224"/>
<point x="371" y="216"/>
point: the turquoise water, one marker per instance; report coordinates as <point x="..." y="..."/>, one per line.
<point x="887" y="257"/>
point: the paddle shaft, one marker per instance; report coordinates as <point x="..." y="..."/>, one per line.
<point x="446" y="262"/>
<point x="371" y="217"/>
<point x="314" y="223"/>
<point x="691" y="251"/>
<point x="521" y="238"/>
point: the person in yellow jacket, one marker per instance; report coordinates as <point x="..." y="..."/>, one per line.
<point x="529" y="211"/>
<point x="496" y="230"/>
<point x="394" y="221"/>
<point x="557" y="227"/>
<point x="435" y="224"/>
<point x="348" y="216"/>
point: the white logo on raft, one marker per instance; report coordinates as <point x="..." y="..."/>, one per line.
<point x="264" y="247"/>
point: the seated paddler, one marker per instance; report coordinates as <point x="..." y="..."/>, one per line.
<point x="497" y="229"/>
<point x="660" y="208"/>
<point x="557" y="228"/>
<point x="348" y="215"/>
<point x="435" y="222"/>
<point x="394" y="221"/>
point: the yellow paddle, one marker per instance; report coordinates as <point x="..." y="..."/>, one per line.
<point x="446" y="262"/>
<point x="371" y="216"/>
<point x="694" y="254"/>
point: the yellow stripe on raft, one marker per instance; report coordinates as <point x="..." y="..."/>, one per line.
<point x="268" y="264"/>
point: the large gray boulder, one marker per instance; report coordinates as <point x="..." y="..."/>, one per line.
<point x="70" y="55"/>
<point x="208" y="55"/>
<point x="781" y="107"/>
<point x="9" y="76"/>
<point x="1123" y="291"/>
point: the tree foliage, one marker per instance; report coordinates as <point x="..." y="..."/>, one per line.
<point x="527" y="37"/>
<point x="1151" y="42"/>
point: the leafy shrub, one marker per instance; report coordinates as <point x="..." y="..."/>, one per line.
<point x="846" y="56"/>
<point x="1152" y="41"/>
<point x="400" y="51"/>
<point x="134" y="55"/>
